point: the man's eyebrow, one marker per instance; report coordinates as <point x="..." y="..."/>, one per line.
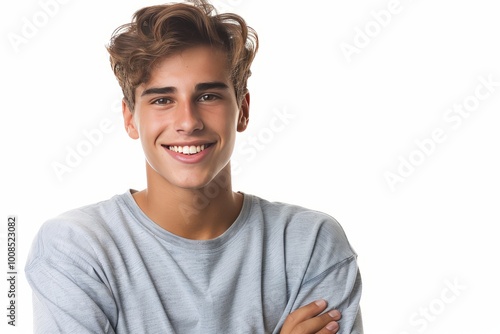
<point x="158" y="90"/>
<point x="211" y="85"/>
<point x="199" y="87"/>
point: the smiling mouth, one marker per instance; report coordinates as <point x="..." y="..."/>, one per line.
<point x="188" y="150"/>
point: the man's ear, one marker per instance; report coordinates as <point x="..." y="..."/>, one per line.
<point x="129" y="121"/>
<point x="244" y="114"/>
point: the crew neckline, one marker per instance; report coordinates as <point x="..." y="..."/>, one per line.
<point x="191" y="244"/>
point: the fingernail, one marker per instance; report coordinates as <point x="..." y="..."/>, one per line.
<point x="332" y="326"/>
<point x="334" y="313"/>
<point x="320" y="303"/>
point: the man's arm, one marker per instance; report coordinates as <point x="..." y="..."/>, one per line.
<point x="341" y="287"/>
<point x="69" y="293"/>
<point x="322" y="265"/>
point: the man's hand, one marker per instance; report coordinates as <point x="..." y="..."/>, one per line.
<point x="306" y="320"/>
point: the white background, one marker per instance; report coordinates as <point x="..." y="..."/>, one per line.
<point x="351" y="121"/>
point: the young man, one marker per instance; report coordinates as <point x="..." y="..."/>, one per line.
<point x="169" y="259"/>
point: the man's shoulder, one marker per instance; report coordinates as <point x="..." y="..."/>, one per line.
<point x="89" y="216"/>
<point x="295" y="216"/>
<point x="303" y="226"/>
<point x="79" y="228"/>
<point x="312" y="241"/>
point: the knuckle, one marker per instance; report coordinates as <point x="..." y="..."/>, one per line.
<point x="291" y="318"/>
<point x="300" y="329"/>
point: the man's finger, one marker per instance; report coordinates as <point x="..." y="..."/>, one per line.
<point x="325" y="323"/>
<point x="331" y="327"/>
<point x="304" y="313"/>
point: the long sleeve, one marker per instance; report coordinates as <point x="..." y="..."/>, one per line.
<point x="69" y="290"/>
<point x="321" y="264"/>
<point x="340" y="285"/>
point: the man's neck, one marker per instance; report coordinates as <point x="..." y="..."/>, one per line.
<point x="193" y="214"/>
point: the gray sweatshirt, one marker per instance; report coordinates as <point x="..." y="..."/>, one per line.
<point x="107" y="268"/>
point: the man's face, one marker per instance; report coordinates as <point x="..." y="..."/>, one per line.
<point x="187" y="116"/>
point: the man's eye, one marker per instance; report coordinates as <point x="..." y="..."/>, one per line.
<point x="207" y="97"/>
<point x="161" y="101"/>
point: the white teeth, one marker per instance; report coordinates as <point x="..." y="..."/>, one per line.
<point x="187" y="149"/>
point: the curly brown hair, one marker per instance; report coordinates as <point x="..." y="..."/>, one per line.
<point x="160" y="31"/>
